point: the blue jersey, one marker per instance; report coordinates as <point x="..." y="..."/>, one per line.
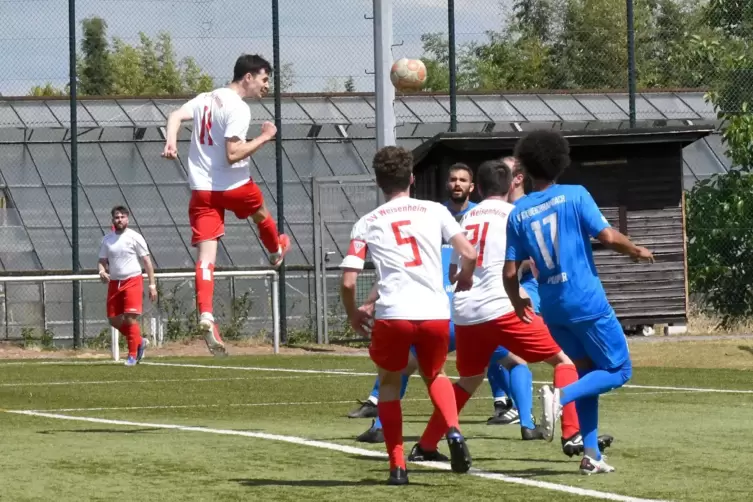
<point x="447" y="249"/>
<point x="528" y="281"/>
<point x="554" y="227"/>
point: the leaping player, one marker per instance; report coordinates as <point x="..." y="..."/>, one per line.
<point x="119" y="268"/>
<point x="405" y="238"/>
<point x="219" y="177"/>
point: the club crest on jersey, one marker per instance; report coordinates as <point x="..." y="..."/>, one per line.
<point x="357" y="248"/>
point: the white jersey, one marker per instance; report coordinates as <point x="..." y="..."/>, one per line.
<point x="486" y="228"/>
<point x="217" y="115"/>
<point x="123" y="252"/>
<point x="405" y="237"/>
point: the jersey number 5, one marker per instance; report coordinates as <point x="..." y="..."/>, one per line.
<point x="549" y="258"/>
<point x="206" y="126"/>
<point x="478" y="237"/>
<point x="407" y="240"/>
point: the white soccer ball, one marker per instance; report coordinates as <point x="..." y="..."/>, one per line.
<point x="408" y="74"/>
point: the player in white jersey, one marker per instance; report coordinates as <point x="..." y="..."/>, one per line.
<point x="119" y="268"/>
<point x="218" y="167"/>
<point x="404" y="236"/>
<point x="484" y="316"/>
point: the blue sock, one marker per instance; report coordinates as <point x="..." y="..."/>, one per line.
<point x="496" y="378"/>
<point x="521" y="383"/>
<point x="403" y="386"/>
<point x="375" y="390"/>
<point x="596" y="382"/>
<point x="588" y="418"/>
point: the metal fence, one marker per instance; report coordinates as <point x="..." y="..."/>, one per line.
<point x="521" y="48"/>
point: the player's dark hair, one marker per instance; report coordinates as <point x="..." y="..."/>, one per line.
<point x="250" y="63"/>
<point x="518" y="169"/>
<point x="119" y="209"/>
<point x="493" y="178"/>
<point x="544" y="154"/>
<point x="393" y="167"/>
<point x="459" y="166"/>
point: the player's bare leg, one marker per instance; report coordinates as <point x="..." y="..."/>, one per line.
<point x="277" y="245"/>
<point x="207" y="254"/>
<point x="391" y="416"/>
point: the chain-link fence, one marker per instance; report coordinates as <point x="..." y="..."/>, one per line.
<point x="519" y="63"/>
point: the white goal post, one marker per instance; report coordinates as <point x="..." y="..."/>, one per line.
<point x="272" y="274"/>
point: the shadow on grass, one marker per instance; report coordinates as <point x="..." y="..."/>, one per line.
<point x="106" y="431"/>
<point x="314" y="483"/>
<point x="746" y="348"/>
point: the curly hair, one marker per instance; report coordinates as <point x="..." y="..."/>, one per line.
<point x="393" y="167"/>
<point x="544" y="154"/>
<point x="493" y="178"/>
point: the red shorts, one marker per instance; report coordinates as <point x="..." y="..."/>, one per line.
<point x="391" y="340"/>
<point x="125" y="297"/>
<point x="475" y="344"/>
<point x="206" y="211"/>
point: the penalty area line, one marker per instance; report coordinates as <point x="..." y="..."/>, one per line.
<point x="342" y="449"/>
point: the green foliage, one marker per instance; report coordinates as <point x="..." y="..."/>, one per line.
<point x="350" y="85"/>
<point x="720" y="209"/>
<point x="115" y="67"/>
<point x="582" y="44"/>
<point x="234" y="325"/>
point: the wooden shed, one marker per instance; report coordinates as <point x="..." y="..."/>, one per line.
<point x="636" y="178"/>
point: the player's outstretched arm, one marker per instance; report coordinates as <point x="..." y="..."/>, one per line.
<point x="174" y="120"/>
<point x="616" y="241"/>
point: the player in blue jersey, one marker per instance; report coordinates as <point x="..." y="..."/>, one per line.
<point x="460" y="185"/>
<point x="553" y="226"/>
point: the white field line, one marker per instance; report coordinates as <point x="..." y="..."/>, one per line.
<point x="343" y="449"/>
<point x="352" y="373"/>
<point x="278" y="403"/>
<point x="158" y="381"/>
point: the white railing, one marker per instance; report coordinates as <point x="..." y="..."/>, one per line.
<point x="275" y="279"/>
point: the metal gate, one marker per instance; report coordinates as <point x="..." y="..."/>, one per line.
<point x="339" y="202"/>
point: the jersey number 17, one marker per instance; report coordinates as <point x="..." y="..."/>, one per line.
<point x="550" y="258"/>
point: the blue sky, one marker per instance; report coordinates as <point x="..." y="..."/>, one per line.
<point x="323" y="39"/>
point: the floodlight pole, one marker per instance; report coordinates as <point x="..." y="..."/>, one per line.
<point x="631" y="61"/>
<point x="278" y="160"/>
<point x="453" y="73"/>
<point x="384" y="91"/>
<point x="75" y="265"/>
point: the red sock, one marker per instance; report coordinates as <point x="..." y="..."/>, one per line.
<point x="132" y="334"/>
<point x="268" y="234"/>
<point x="564" y="375"/>
<point x="391" y="416"/>
<point x="204" y="286"/>
<point x="438" y="425"/>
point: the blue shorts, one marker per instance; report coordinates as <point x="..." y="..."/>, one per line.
<point x="601" y="340"/>
<point x="500" y="353"/>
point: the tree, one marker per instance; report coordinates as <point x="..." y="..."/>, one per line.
<point x="94" y="69"/>
<point x="350" y="85"/>
<point x="45" y="90"/>
<point x="150" y="67"/>
<point x="719" y="209"/>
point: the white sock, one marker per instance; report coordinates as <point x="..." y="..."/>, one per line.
<point x="373" y="400"/>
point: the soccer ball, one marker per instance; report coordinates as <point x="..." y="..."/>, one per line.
<point x="408" y="74"/>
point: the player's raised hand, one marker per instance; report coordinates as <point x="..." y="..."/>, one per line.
<point x="643" y="254"/>
<point x="268" y="130"/>
<point x="170" y="151"/>
<point x="523" y="309"/>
